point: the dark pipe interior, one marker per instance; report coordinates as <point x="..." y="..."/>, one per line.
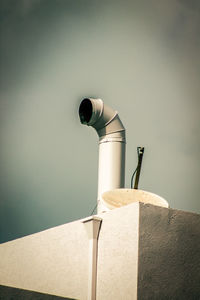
<point x="85" y="110"/>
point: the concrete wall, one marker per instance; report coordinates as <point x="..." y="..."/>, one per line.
<point x="118" y="254"/>
<point x="54" y="261"/>
<point x="144" y="252"/>
<point x="169" y="254"/>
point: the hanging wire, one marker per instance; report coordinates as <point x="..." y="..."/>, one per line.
<point x="94" y="208"/>
<point x="140" y="152"/>
<point x="133" y="177"/>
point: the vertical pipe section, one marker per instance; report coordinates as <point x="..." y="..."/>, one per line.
<point x="112" y="140"/>
<point x="92" y="226"/>
<point x="111" y="168"/>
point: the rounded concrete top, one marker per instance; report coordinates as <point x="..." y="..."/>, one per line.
<point x="120" y="197"/>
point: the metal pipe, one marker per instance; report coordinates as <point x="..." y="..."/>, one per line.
<point x="92" y="225"/>
<point x="112" y="140"/>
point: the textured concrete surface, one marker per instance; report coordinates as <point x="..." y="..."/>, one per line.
<point x="169" y="254"/>
<point x="118" y="254"/>
<point x="53" y="261"/>
<point x="144" y="252"/>
<point x="9" y="293"/>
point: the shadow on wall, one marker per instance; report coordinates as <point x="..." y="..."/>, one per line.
<point x="7" y="293"/>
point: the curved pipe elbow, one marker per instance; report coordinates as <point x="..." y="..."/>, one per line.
<point x="106" y="121"/>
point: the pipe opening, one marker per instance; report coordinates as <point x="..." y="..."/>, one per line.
<point x="85" y="111"/>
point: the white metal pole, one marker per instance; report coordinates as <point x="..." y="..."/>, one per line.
<point x="92" y="225"/>
<point x="112" y="139"/>
<point x="111" y="171"/>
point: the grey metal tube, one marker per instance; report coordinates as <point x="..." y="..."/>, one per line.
<point x="92" y="225"/>
<point x="112" y="139"/>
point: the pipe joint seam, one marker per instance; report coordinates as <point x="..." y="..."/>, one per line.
<point x="105" y="120"/>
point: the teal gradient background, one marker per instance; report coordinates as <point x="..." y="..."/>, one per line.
<point x="140" y="57"/>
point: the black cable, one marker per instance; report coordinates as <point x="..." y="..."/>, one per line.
<point x="133" y="177"/>
<point x="140" y="152"/>
<point x="94" y="208"/>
